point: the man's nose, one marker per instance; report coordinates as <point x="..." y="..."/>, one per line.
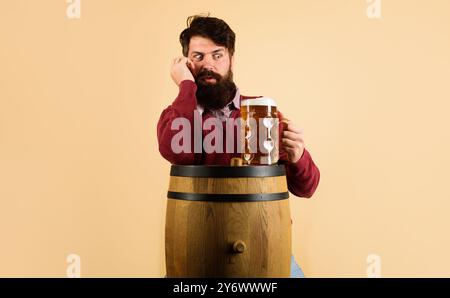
<point x="208" y="67"/>
<point x="208" y="64"/>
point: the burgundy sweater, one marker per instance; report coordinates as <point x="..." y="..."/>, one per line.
<point x="302" y="176"/>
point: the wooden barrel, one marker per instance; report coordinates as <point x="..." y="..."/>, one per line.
<point x="225" y="221"/>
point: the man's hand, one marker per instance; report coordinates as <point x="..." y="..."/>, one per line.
<point x="292" y="140"/>
<point x="182" y="69"/>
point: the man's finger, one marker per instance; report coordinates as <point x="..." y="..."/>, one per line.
<point x="190" y="64"/>
<point x="184" y="60"/>
<point x="289" y="143"/>
<point x="283" y="118"/>
<point x="177" y="60"/>
<point x="293" y="128"/>
<point x="291" y="151"/>
<point x="292" y="135"/>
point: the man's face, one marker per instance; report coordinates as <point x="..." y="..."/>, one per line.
<point x="209" y="59"/>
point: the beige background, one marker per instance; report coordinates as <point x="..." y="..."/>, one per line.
<point x="80" y="172"/>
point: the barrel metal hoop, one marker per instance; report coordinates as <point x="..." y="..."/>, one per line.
<point x="227" y="171"/>
<point x="228" y="197"/>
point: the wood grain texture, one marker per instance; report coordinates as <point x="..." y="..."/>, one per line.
<point x="239" y="185"/>
<point x="200" y="235"/>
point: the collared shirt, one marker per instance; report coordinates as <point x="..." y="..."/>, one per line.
<point x="225" y="112"/>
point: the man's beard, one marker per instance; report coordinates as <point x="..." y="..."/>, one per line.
<point x="215" y="96"/>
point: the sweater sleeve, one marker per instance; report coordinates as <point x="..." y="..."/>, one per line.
<point x="303" y="176"/>
<point x="183" y="106"/>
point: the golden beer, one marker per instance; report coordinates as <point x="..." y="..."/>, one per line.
<point x="259" y="131"/>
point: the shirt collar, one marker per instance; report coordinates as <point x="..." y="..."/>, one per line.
<point x="236" y="102"/>
<point x="237" y="99"/>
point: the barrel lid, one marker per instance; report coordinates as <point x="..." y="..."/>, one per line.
<point x="215" y="171"/>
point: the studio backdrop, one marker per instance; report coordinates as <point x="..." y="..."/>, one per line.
<point x="82" y="84"/>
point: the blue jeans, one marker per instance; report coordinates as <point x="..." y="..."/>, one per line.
<point x="296" y="271"/>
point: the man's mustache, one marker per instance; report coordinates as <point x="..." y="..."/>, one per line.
<point x="209" y="73"/>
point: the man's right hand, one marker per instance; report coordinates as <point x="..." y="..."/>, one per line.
<point x="182" y="69"/>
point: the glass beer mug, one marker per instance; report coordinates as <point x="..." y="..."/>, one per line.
<point x="260" y="131"/>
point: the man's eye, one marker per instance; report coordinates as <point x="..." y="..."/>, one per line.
<point x="217" y="56"/>
<point x="198" y="57"/>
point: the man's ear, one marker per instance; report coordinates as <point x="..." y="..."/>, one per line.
<point x="232" y="63"/>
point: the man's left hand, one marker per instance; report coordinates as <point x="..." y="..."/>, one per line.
<point x="292" y="141"/>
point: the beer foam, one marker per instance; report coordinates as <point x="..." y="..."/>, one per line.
<point x="260" y="101"/>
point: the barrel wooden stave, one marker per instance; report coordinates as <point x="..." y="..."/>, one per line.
<point x="200" y="234"/>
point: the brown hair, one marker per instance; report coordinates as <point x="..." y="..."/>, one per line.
<point x="205" y="26"/>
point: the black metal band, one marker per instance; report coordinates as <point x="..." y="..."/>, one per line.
<point x="228" y="197"/>
<point x="227" y="171"/>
